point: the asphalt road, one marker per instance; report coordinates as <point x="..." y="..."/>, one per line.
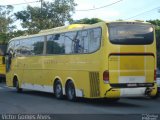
<point x="40" y="102"/>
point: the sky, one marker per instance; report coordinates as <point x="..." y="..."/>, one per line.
<point x="124" y="9"/>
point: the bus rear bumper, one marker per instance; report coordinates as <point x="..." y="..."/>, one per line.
<point x="131" y="92"/>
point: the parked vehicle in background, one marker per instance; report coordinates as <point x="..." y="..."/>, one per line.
<point x="158" y="80"/>
<point x="2" y="62"/>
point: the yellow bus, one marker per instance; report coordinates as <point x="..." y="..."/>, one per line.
<point x="2" y="61"/>
<point x="102" y="60"/>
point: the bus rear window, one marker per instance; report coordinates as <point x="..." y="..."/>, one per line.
<point x="130" y="34"/>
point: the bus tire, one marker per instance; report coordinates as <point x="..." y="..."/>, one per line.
<point x="18" y="89"/>
<point x="58" y="91"/>
<point x="70" y="91"/>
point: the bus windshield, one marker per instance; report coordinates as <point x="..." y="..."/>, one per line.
<point x="130" y="33"/>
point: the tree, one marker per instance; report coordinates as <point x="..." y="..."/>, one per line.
<point x="157" y="29"/>
<point x="6" y="21"/>
<point x="87" y="21"/>
<point x="6" y="18"/>
<point x="52" y="14"/>
<point x="5" y="37"/>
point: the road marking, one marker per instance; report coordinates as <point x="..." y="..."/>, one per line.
<point x="10" y="87"/>
<point x="6" y="87"/>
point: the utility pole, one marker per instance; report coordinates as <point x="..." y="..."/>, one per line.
<point x="41" y="15"/>
<point x="41" y="5"/>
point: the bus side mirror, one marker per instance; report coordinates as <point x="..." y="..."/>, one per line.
<point x="6" y="54"/>
<point x="7" y="58"/>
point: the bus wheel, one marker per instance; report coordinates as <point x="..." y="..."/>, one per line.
<point x="58" y="90"/>
<point x="70" y="91"/>
<point x="19" y="90"/>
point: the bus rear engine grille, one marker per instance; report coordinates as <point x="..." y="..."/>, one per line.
<point x="94" y="84"/>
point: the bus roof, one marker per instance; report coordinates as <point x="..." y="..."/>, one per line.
<point x="128" y="21"/>
<point x="64" y="28"/>
<point x="55" y="30"/>
<point x="71" y="28"/>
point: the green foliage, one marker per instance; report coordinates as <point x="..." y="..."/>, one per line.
<point x="17" y="33"/>
<point x="157" y="29"/>
<point x="6" y="19"/>
<point x="3" y="37"/>
<point x="87" y="21"/>
<point x="52" y="14"/>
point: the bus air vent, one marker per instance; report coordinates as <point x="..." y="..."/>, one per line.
<point x="94" y="84"/>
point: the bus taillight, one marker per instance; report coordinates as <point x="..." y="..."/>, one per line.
<point x="155" y="76"/>
<point x="106" y="76"/>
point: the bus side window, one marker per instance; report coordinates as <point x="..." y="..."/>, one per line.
<point x="55" y="44"/>
<point x="26" y="46"/>
<point x="77" y="43"/>
<point x="94" y="42"/>
<point x="10" y="50"/>
<point x="38" y="45"/>
<point x="85" y="41"/>
<point x="70" y="42"/>
<point x="17" y="48"/>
